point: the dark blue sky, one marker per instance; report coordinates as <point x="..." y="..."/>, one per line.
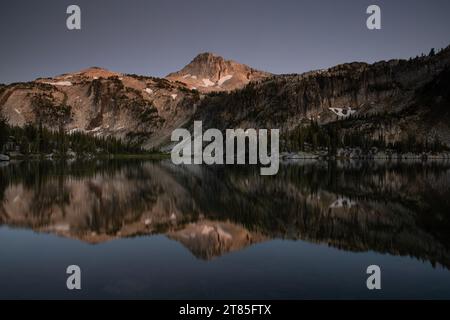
<point x="155" y="37"/>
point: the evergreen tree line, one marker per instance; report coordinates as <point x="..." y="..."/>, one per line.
<point x="314" y="137"/>
<point x="32" y="139"/>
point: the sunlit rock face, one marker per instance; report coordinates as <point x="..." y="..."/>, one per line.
<point x="394" y="208"/>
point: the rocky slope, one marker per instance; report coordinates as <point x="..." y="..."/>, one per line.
<point x="103" y="103"/>
<point x="209" y="72"/>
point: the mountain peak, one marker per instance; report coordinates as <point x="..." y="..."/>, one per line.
<point x="91" y="72"/>
<point x="97" y="72"/>
<point x="210" y="72"/>
<point x="206" y="55"/>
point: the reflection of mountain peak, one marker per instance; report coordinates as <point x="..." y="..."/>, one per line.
<point x="209" y="239"/>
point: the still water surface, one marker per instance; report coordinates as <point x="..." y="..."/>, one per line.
<point x="142" y="229"/>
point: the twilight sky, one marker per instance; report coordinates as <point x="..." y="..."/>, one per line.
<point x="155" y="37"/>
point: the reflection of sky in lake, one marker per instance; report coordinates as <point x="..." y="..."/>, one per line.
<point x="155" y="267"/>
<point x="164" y="232"/>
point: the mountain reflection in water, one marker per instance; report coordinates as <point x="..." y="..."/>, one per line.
<point x="396" y="208"/>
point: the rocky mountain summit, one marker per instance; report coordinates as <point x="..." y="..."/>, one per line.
<point x="209" y="72"/>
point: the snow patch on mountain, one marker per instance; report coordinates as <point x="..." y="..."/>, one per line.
<point x="208" y="83"/>
<point x="342" y="203"/>
<point x="343" y="112"/>
<point x="60" y="83"/>
<point x="224" y="79"/>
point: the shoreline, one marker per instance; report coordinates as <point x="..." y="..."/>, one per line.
<point x="5" y="158"/>
<point x="364" y="156"/>
<point x="284" y="156"/>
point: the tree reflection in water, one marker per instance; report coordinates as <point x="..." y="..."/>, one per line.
<point x="396" y="208"/>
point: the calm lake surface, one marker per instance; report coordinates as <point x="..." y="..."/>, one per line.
<point x="143" y="229"/>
